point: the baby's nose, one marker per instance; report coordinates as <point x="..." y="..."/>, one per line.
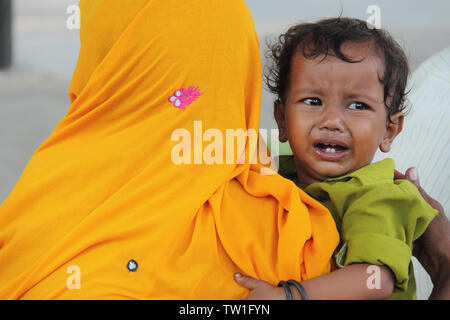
<point x="332" y="120"/>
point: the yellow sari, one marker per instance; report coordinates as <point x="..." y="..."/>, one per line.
<point x="103" y="205"/>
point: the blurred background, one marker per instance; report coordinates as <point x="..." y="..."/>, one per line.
<point x="33" y="89"/>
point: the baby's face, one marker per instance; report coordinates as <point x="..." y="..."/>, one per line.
<point x="335" y="117"/>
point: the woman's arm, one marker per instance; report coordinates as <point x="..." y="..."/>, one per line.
<point x="432" y="249"/>
<point x="353" y="282"/>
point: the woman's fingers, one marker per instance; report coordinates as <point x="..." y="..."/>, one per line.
<point x="398" y="175"/>
<point x="246" y="281"/>
<point x="413" y="176"/>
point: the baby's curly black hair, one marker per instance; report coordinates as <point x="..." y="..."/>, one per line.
<point x="325" y="37"/>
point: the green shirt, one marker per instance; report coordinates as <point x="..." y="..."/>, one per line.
<point x="378" y="218"/>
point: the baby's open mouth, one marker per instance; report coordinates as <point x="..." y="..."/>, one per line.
<point x="332" y="148"/>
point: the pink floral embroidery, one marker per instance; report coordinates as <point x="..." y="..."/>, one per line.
<point x="184" y="97"/>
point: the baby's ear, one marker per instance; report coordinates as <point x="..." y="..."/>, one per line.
<point x="279" y="113"/>
<point x="393" y="128"/>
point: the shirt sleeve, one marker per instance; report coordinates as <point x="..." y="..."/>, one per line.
<point x="380" y="223"/>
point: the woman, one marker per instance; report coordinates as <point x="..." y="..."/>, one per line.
<point x="103" y="204"/>
<point x="103" y="210"/>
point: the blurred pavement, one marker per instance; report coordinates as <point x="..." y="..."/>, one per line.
<point x="33" y="93"/>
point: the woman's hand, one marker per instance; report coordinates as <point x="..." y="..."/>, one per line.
<point x="260" y="290"/>
<point x="432" y="249"/>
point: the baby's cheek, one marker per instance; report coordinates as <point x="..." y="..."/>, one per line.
<point x="365" y="149"/>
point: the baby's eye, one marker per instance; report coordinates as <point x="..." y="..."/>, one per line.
<point x="312" y="101"/>
<point x="358" y="106"/>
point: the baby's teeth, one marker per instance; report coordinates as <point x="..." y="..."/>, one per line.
<point x="330" y="150"/>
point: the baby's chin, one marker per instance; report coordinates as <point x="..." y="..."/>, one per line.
<point x="317" y="171"/>
<point x="331" y="170"/>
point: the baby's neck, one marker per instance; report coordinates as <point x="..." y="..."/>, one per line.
<point x="305" y="179"/>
